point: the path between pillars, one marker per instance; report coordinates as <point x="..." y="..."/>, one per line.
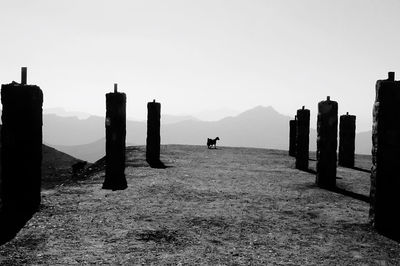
<point x="223" y="206"/>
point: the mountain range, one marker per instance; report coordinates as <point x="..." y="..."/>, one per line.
<point x="260" y="127"/>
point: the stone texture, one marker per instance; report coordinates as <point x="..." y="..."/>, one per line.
<point x="327" y="123"/>
<point x="115" y="141"/>
<point x="302" y="138"/>
<point x="385" y="178"/>
<point x="347" y="135"/>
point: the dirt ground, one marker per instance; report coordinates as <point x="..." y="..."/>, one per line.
<point x="230" y="206"/>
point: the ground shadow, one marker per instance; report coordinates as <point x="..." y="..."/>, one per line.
<point x="338" y="190"/>
<point x="360" y="169"/>
<point x="158" y="164"/>
<point x="351" y="194"/>
<point x="11" y="222"/>
<point x="311" y="171"/>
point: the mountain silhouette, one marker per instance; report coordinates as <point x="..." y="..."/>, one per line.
<point x="259" y="127"/>
<point x="62" y="112"/>
<point x="90" y="152"/>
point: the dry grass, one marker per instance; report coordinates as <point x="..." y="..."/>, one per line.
<point x="232" y="206"/>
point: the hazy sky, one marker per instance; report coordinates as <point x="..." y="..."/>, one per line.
<point x="202" y="55"/>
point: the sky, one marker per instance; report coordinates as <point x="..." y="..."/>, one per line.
<point x="194" y="56"/>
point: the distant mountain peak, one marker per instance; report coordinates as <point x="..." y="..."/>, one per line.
<point x="260" y="111"/>
<point x="60" y="111"/>
<point x="265" y="108"/>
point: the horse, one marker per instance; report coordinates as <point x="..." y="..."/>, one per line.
<point x="212" y="143"/>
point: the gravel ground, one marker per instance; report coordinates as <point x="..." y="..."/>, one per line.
<point x="229" y="206"/>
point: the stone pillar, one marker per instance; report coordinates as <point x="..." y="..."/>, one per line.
<point x="115" y="140"/>
<point x="302" y="138"/>
<point x="292" y="136"/>
<point x="327" y="143"/>
<point x="153" y="133"/>
<point x="347" y="135"/>
<point x="21" y="148"/>
<point x="385" y="179"/>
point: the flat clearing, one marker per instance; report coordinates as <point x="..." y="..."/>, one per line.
<point x="232" y="206"/>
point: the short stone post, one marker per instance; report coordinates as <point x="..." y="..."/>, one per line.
<point x="153" y="133"/>
<point x="327" y="143"/>
<point x="385" y="178"/>
<point x="302" y="138"/>
<point x="292" y="136"/>
<point x="115" y="140"/>
<point x="347" y="135"/>
<point x="21" y="148"/>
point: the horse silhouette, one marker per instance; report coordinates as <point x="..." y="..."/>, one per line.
<point x="212" y="143"/>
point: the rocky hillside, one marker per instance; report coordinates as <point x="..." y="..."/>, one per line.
<point x="56" y="166"/>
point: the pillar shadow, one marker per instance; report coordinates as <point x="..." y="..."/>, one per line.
<point x="158" y="164"/>
<point x="311" y="171"/>
<point x="11" y="223"/>
<point x="360" y="169"/>
<point x="338" y="190"/>
<point x="351" y="194"/>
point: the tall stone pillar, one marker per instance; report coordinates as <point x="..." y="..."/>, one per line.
<point x="385" y="178"/>
<point x="327" y="143"/>
<point x="21" y="155"/>
<point x="115" y="140"/>
<point x="292" y="136"/>
<point x="347" y="135"/>
<point x="302" y="138"/>
<point x="153" y="133"/>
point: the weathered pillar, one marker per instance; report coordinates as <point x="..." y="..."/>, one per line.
<point x="21" y="148"/>
<point x="385" y="178"/>
<point x="347" y="135"/>
<point x="292" y="136"/>
<point x="115" y="140"/>
<point x="302" y="138"/>
<point x="327" y="143"/>
<point x="153" y="133"/>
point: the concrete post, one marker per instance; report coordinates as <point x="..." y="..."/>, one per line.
<point x="385" y="179"/>
<point x="153" y="133"/>
<point x="347" y="135"/>
<point x="292" y="136"/>
<point x="327" y="143"/>
<point x="115" y="140"/>
<point x="21" y="148"/>
<point x="302" y="138"/>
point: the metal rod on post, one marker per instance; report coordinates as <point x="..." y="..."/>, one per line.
<point x="24" y="71"/>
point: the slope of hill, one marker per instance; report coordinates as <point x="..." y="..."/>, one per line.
<point x="230" y="206"/>
<point x="56" y="165"/>
<point x="90" y="152"/>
